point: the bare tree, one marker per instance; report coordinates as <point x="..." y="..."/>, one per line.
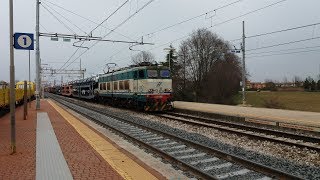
<point x="208" y="68"/>
<point x="285" y="79"/>
<point x="143" y="56"/>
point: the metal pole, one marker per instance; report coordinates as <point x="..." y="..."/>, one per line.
<point x="12" y="83"/>
<point x="184" y="73"/>
<point x="169" y="61"/>
<point x="82" y="72"/>
<point x="80" y="69"/>
<point x="243" y="65"/>
<point x="29" y="84"/>
<point x="25" y="107"/>
<point x="37" y="56"/>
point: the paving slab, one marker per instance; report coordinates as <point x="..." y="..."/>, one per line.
<point x="83" y="161"/>
<point x="120" y="162"/>
<point x="20" y="165"/>
<point x="50" y="162"/>
<point x="298" y="118"/>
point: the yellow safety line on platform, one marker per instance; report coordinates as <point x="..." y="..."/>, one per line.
<point x="121" y="163"/>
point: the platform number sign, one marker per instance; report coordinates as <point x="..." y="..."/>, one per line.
<point x="23" y="41"/>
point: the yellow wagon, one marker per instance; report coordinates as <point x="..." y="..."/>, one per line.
<point x="5" y="93"/>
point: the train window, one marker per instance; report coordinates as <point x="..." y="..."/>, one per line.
<point x="104" y="86"/>
<point x="115" y="85"/>
<point x="121" y="85"/>
<point x="141" y="73"/>
<point x="135" y="74"/>
<point x="126" y="85"/>
<point x="152" y="73"/>
<point x="108" y="86"/>
<point x="165" y="73"/>
<point x="100" y="86"/>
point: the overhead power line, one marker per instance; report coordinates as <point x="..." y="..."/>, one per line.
<point x="278" y="31"/>
<point x="231" y="19"/>
<point x="93" y="44"/>
<point x="44" y="4"/>
<point x="283" y="30"/>
<point x="74" y="53"/>
<point x="66" y="26"/>
<point x="114" y="12"/>
<point x="123" y="22"/>
<point x="284" y="50"/>
<point x="43" y="27"/>
<point x="193" y="18"/>
<point x="296" y="52"/>
<point x="179" y="23"/>
<point x="76" y="14"/>
<point x="286" y="43"/>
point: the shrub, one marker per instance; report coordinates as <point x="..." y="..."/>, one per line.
<point x="273" y="102"/>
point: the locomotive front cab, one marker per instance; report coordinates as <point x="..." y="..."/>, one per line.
<point x="159" y="89"/>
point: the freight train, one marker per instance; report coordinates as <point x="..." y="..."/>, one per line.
<point x="19" y="88"/>
<point x="145" y="86"/>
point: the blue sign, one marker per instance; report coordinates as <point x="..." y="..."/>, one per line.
<point x="23" y="41"/>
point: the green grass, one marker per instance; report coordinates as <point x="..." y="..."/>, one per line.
<point x="303" y="101"/>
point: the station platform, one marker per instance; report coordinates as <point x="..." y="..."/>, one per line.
<point x="54" y="144"/>
<point x="308" y="121"/>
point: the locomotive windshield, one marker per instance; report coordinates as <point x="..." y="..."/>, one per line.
<point x="165" y="73"/>
<point x="152" y="74"/>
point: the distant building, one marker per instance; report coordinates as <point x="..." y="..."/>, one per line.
<point x="255" y="85"/>
<point x="289" y="84"/>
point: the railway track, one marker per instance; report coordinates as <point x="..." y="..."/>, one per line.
<point x="282" y="137"/>
<point x="199" y="159"/>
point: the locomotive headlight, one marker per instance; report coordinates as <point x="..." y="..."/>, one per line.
<point x="167" y="90"/>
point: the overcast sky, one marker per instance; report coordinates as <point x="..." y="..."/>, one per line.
<point x="300" y="60"/>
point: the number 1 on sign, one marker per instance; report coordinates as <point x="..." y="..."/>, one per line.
<point x="24" y="40"/>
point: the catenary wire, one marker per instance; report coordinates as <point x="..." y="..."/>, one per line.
<point x="278" y="31"/>
<point x="43" y="27"/>
<point x="286" y="43"/>
<point x="76" y="14"/>
<point x="296" y="52"/>
<point x="131" y="16"/>
<point x="192" y="18"/>
<point x="43" y="3"/>
<point x="113" y="13"/>
<point x="84" y="41"/>
<point x="179" y="23"/>
<point x="265" y="52"/>
<point x="86" y="19"/>
<point x="66" y="26"/>
<point x="231" y="19"/>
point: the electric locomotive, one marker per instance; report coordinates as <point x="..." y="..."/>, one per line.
<point x="145" y="86"/>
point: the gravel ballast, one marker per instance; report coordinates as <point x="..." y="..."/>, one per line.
<point x="300" y="162"/>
